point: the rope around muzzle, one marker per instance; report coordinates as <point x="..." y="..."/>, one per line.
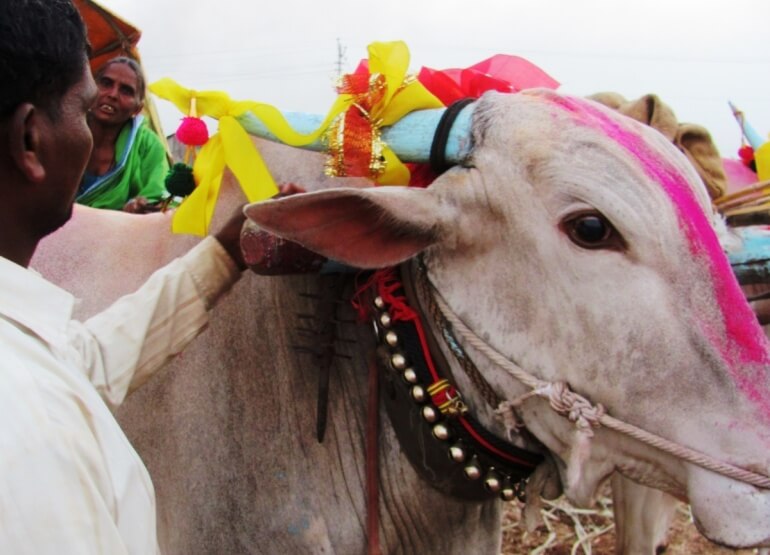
<point x="586" y="416"/>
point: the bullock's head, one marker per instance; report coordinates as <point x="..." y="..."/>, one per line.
<point x="580" y="244"/>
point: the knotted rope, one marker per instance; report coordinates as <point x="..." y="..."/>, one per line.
<point x="587" y="416"/>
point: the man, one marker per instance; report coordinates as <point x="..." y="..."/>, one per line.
<point x="70" y="482"/>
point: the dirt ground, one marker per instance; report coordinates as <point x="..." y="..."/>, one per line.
<point x="569" y="531"/>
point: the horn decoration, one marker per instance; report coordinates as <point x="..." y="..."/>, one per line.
<point x="381" y="93"/>
<point x="394" y="97"/>
<point x="230" y="147"/>
<point x="381" y="119"/>
<point x="410" y="138"/>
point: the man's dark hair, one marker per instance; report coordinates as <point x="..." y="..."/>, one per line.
<point x="43" y="46"/>
<point x="135" y="67"/>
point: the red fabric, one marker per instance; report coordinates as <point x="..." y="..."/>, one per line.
<point x="354" y="83"/>
<point x="501" y="73"/>
<point x="420" y="175"/>
<point x="357" y="146"/>
<point x="354" y="155"/>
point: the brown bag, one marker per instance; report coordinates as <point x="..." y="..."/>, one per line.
<point x="693" y="140"/>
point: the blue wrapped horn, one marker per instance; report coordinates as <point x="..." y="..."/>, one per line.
<point x="411" y="138"/>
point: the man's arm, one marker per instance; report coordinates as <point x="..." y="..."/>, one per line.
<point x="125" y="344"/>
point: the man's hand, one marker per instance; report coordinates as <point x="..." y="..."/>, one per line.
<point x="229" y="237"/>
<point x="230" y="233"/>
<point x="140" y="205"/>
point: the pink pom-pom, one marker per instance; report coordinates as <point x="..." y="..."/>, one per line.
<point x="192" y="132"/>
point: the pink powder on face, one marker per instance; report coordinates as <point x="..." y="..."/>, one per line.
<point x="744" y="348"/>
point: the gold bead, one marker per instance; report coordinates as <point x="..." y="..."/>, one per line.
<point x="429" y="413"/>
<point x="440" y="431"/>
<point x="457" y="453"/>
<point x="492" y="481"/>
<point x="472" y="471"/>
<point x="385" y="320"/>
<point x="391" y="338"/>
<point x="507" y="494"/>
<point x="379" y="303"/>
<point x="410" y="375"/>
<point x="398" y="361"/>
<point x="418" y="393"/>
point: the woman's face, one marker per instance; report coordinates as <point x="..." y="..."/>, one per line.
<point x="118" y="97"/>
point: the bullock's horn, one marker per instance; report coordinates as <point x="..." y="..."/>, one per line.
<point x="411" y="138"/>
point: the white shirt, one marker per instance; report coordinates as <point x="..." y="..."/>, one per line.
<point x="70" y="482"/>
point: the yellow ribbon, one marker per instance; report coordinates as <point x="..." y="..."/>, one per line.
<point x="231" y="147"/>
<point x="402" y="95"/>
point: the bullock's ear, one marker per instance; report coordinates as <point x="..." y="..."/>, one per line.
<point x="365" y="228"/>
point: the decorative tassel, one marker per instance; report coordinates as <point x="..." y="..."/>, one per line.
<point x="746" y="153"/>
<point x="180" y="181"/>
<point x="192" y="131"/>
<point x="355" y="143"/>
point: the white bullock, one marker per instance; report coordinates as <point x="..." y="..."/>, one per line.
<point x="573" y="241"/>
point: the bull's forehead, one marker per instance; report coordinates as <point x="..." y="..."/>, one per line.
<point x="738" y="338"/>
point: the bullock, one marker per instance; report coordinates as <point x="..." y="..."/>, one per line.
<point x="539" y="248"/>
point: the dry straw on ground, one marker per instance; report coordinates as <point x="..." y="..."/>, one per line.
<point x="571" y="531"/>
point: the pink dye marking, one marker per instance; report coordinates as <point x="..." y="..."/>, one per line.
<point x="745" y="348"/>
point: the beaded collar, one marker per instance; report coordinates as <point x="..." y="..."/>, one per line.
<point x="446" y="444"/>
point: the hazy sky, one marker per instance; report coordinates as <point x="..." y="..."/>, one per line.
<point x="695" y="54"/>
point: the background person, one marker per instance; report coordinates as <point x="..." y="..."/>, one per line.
<point x="70" y="481"/>
<point x="128" y="165"/>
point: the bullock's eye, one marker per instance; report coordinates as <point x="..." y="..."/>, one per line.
<point x="591" y="230"/>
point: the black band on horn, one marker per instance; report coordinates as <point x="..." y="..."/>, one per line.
<point x="438" y="161"/>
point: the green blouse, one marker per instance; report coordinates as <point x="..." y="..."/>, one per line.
<point x="140" y="169"/>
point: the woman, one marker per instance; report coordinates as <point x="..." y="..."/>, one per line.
<point x="128" y="165"/>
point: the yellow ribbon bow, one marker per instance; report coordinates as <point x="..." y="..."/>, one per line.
<point x="231" y="147"/>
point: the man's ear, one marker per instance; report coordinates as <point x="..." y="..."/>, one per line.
<point x="139" y="108"/>
<point x="24" y="139"/>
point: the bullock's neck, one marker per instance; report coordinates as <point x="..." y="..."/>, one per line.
<point x="481" y="405"/>
<point x="423" y="400"/>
